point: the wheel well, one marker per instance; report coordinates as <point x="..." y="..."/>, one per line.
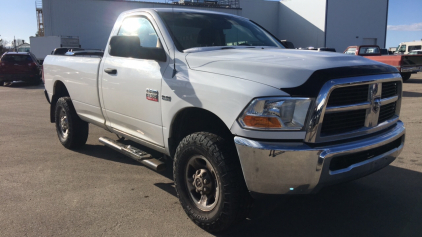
<point x="193" y="120"/>
<point x="59" y="91"/>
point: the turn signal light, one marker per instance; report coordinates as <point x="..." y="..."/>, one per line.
<point x="261" y="122"/>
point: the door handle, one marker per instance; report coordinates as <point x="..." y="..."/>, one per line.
<point x="110" y="71"/>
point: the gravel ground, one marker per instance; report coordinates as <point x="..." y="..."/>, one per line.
<point x="47" y="190"/>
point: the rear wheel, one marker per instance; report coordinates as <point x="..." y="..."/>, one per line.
<point x="406" y="76"/>
<point x="71" y="130"/>
<point x="209" y="182"/>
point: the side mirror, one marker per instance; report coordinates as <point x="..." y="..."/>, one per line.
<point x="130" y="47"/>
<point x="287" y="44"/>
<point x="125" y="46"/>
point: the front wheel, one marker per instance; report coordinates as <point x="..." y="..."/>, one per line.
<point x="209" y="182"/>
<point x="71" y="130"/>
<point x="406" y="76"/>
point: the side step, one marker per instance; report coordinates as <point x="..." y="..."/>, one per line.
<point x="134" y="153"/>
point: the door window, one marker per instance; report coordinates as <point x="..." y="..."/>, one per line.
<point x="141" y="27"/>
<point x="415" y="47"/>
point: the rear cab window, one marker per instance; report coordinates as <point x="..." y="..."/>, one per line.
<point x="369" y="50"/>
<point x="350" y="51"/>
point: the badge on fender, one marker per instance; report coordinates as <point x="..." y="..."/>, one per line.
<point x="152" y="95"/>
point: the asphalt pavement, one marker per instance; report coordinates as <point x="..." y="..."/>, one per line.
<point x="47" y="190"/>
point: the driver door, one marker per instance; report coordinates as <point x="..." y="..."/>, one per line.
<point x="131" y="85"/>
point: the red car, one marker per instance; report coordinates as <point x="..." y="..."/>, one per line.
<point x="19" y="66"/>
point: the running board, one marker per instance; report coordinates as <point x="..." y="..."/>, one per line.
<point x="134" y="153"/>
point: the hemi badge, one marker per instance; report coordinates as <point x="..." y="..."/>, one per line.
<point x="152" y="95"/>
<point x="166" y="98"/>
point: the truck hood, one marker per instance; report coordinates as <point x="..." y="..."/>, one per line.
<point x="280" y="68"/>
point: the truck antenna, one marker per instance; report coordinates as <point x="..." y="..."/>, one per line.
<point x="174" y="47"/>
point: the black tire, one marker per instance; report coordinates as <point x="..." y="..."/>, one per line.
<point x="406" y="76"/>
<point x="71" y="130"/>
<point x="232" y="202"/>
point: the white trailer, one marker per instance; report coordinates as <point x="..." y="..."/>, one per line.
<point x="43" y="46"/>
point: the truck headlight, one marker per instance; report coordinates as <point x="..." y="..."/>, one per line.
<point x="276" y="113"/>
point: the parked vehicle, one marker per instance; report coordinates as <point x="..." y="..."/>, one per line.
<point x="63" y="51"/>
<point x="384" y="52"/>
<point x="92" y="53"/>
<point x="415" y="52"/>
<point x="406" y="64"/>
<point x="406" y="47"/>
<point x="19" y="66"/>
<point x="322" y="49"/>
<point x="241" y="116"/>
<point x="42" y="46"/>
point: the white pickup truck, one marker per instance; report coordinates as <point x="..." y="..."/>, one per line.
<point x="241" y="116"/>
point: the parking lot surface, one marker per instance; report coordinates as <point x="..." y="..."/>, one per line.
<point x="47" y="190"/>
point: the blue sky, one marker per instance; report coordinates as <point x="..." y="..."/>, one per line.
<point x="404" y="21"/>
<point x="18" y="19"/>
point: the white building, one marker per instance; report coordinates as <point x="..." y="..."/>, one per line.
<point x="318" y="23"/>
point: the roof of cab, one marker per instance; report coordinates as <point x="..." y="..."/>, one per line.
<point x="176" y="9"/>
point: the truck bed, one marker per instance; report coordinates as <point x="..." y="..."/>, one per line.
<point x="398" y="60"/>
<point x="81" y="77"/>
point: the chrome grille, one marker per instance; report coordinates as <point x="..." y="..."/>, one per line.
<point x="352" y="107"/>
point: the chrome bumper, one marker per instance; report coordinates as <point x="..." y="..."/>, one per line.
<point x="298" y="168"/>
<point x="411" y="69"/>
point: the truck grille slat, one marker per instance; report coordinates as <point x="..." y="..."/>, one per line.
<point x="343" y="122"/>
<point x="389" y="89"/>
<point x="387" y="112"/>
<point x="349" y="95"/>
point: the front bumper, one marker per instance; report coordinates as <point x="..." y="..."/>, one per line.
<point x="298" y="168"/>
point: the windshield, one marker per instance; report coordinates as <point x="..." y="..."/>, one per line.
<point x="401" y="48"/>
<point x="190" y="30"/>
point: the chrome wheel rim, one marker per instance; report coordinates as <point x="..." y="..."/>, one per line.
<point x="63" y="124"/>
<point x="202" y="183"/>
